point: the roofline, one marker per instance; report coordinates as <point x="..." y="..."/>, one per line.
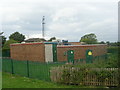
<point x="25" y="44"/>
<point x="92" y="45"/>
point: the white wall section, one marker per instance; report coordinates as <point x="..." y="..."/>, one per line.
<point x="48" y="53"/>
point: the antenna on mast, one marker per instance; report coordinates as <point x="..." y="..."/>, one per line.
<point x="43" y="34"/>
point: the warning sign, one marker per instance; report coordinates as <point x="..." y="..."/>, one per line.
<point x="89" y="53"/>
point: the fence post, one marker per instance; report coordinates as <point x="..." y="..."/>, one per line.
<point x="12" y="66"/>
<point x="27" y="68"/>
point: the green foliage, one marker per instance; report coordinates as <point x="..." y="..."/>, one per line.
<point x="7" y="44"/>
<point x="102" y="42"/>
<point x="17" y="37"/>
<point x="114" y="44"/>
<point x="90" y="69"/>
<point x="74" y="74"/>
<point x="52" y="38"/>
<point x="3" y="40"/>
<point x="106" y="61"/>
<point x="113" y="49"/>
<point x="103" y="74"/>
<point x="108" y="43"/>
<point x="89" y="39"/>
<point x="112" y="61"/>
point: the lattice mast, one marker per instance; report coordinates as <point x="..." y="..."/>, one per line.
<point x="43" y="23"/>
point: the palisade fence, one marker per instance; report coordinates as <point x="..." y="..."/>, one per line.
<point x="29" y="69"/>
<point x="61" y="73"/>
<point x="85" y="76"/>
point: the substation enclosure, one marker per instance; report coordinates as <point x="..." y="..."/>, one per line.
<point x="51" y="52"/>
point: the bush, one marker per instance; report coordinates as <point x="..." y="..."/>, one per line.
<point x="113" y="49"/>
<point x="7" y="44"/>
<point x="71" y="75"/>
<point x="79" y="75"/>
<point x="6" y="48"/>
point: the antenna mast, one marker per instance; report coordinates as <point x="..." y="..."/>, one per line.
<point x="43" y="34"/>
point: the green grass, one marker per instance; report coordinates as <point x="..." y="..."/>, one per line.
<point x="15" y="81"/>
<point x="0" y="80"/>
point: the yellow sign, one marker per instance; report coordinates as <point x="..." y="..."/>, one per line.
<point x="89" y="53"/>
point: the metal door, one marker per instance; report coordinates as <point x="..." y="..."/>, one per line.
<point x="54" y="52"/>
<point x="70" y="56"/>
<point x="89" y="56"/>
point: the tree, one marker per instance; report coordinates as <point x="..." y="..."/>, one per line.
<point x="17" y="37"/>
<point x="3" y="40"/>
<point x="1" y="33"/>
<point x="52" y="38"/>
<point x="89" y="39"/>
<point x="118" y="43"/>
<point x="102" y="42"/>
<point x="7" y="44"/>
<point x="108" y="43"/>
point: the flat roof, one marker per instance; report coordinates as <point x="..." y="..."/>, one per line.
<point x="17" y="44"/>
<point x="89" y="45"/>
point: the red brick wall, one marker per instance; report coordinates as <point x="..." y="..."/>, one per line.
<point x="32" y="52"/>
<point x="36" y="51"/>
<point x="80" y="51"/>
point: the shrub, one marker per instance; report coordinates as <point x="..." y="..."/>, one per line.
<point x="112" y="49"/>
<point x="7" y="44"/>
<point x="82" y="75"/>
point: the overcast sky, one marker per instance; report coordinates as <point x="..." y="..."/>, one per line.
<point x="65" y="19"/>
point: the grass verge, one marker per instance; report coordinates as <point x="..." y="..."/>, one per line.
<point x="15" y="81"/>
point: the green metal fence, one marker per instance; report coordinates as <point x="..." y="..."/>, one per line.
<point x="5" y="53"/>
<point x="6" y="65"/>
<point x="30" y="69"/>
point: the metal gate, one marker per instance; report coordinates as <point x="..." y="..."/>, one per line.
<point x="54" y="52"/>
<point x="89" y="56"/>
<point x="70" y="56"/>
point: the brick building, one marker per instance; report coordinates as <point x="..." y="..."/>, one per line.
<point x="51" y="52"/>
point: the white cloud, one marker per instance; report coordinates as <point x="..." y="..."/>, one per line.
<point x="64" y="19"/>
<point x="64" y="13"/>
